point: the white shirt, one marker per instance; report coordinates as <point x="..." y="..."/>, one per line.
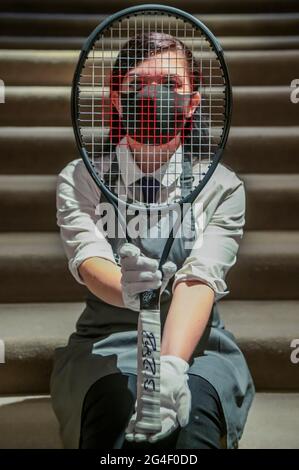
<point x="131" y="172"/>
<point x="222" y="199"/>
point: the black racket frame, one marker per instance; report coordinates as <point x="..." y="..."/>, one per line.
<point x="150" y="299"/>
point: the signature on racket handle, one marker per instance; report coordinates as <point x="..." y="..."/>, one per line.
<point x="150" y="300"/>
<point x="148" y="417"/>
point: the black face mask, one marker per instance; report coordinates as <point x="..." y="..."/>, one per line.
<point x="155" y="114"/>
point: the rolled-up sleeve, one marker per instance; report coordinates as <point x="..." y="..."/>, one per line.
<point x="210" y="260"/>
<point x="81" y="236"/>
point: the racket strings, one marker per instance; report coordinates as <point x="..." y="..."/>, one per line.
<point x="169" y="82"/>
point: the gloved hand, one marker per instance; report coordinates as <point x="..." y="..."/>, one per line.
<point x="140" y="273"/>
<point x="175" y="400"/>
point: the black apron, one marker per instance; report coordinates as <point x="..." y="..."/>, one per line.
<point x="105" y="342"/>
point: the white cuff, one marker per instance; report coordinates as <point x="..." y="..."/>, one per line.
<point x="89" y="251"/>
<point x="218" y="286"/>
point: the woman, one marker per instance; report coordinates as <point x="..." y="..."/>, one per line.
<point x="206" y="387"/>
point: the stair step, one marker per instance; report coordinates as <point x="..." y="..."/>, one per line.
<point x="265" y="339"/>
<point x="263" y="149"/>
<point x="272" y="422"/>
<point x="262" y="106"/>
<point x="28" y="203"/>
<point x="262" y="68"/>
<point x="40" y="257"/>
<point x="37" y="150"/>
<point x="231" y="43"/>
<point x="256" y="325"/>
<point x="29" y="352"/>
<point x="28" y="422"/>
<point x="267" y="197"/>
<point x="46" y="150"/>
<point x="36" y="105"/>
<point x="205" y="6"/>
<point x="267" y="268"/>
<point x="50" y="106"/>
<point x="23" y="67"/>
<point x="70" y="24"/>
<point x="76" y="42"/>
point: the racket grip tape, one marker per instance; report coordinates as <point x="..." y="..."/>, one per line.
<point x="148" y="416"/>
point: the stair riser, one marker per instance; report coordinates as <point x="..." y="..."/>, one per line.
<point x="263" y="277"/>
<point x="271" y="366"/>
<point x="28" y="422"/>
<point x="229" y="43"/>
<point x="265" y="69"/>
<point x="205" y="6"/>
<point x="34" y="208"/>
<point x="23" y="24"/>
<point x="48" y="150"/>
<point x="267" y="268"/>
<point x="32" y="373"/>
<point x="245" y="68"/>
<point x="32" y="151"/>
<point x="51" y="107"/>
<point x="263" y="150"/>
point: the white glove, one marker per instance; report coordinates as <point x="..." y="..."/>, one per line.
<point x="175" y="400"/>
<point x="140" y="273"/>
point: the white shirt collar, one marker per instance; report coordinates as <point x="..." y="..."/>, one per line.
<point x="167" y="174"/>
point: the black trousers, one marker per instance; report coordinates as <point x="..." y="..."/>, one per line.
<point x="109" y="405"/>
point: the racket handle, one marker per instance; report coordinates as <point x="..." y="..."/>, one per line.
<point x="148" y="416"/>
<point x="150" y="300"/>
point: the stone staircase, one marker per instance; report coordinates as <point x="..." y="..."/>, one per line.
<point x="40" y="301"/>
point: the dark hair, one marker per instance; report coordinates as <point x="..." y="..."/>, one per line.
<point x="135" y="51"/>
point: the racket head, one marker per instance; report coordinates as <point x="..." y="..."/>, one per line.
<point x="91" y="108"/>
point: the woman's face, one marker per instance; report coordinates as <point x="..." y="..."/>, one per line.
<point x="158" y="95"/>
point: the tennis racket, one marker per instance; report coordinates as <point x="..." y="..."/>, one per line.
<point x="151" y="78"/>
